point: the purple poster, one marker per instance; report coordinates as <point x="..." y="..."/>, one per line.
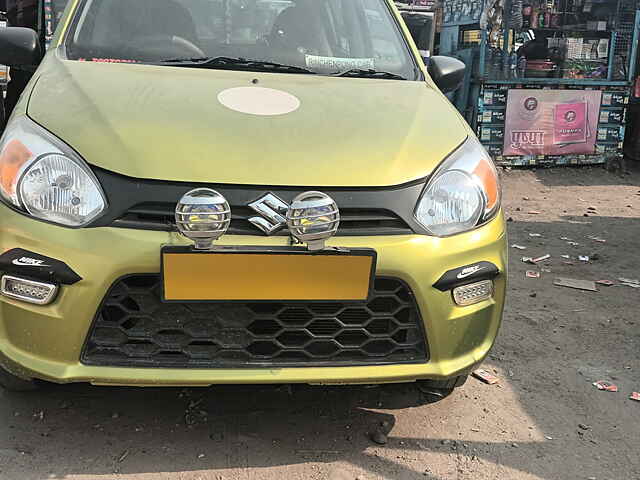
<point x="551" y="122"/>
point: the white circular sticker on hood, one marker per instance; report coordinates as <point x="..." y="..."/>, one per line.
<point x="259" y="101"/>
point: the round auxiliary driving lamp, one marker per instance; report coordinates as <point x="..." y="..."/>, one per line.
<point x="312" y="218"/>
<point x="203" y="215"/>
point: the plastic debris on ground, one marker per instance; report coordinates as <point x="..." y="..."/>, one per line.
<point x="606" y="386"/>
<point x="583" y="258"/>
<point x="607" y="283"/>
<point x="629" y="282"/>
<point x="635" y="396"/>
<point x="588" y="285"/>
<point x="534" y="212"/>
<point x="485" y="376"/>
<point x="566" y="256"/>
<point x="535" y="235"/>
<point x="598" y="239"/>
<point x="542" y="258"/>
<point x="567" y="239"/>
<point x="519" y="247"/>
<point x="527" y="259"/>
<point x="573" y="244"/>
<point x="532" y="274"/>
<point x="311" y="452"/>
<point x="123" y="455"/>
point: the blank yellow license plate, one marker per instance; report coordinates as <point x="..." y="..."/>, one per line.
<point x="259" y="275"/>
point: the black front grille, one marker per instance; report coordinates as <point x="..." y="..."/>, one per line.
<point x="146" y="204"/>
<point x="353" y="221"/>
<point x="134" y="328"/>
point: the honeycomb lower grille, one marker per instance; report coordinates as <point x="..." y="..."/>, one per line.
<point x="134" y="328"/>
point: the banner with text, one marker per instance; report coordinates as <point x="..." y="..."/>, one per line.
<point x="551" y="122"/>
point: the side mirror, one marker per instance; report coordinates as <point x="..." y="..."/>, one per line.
<point x="19" y="46"/>
<point x="446" y="72"/>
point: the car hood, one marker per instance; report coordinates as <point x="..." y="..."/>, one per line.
<point x="167" y="123"/>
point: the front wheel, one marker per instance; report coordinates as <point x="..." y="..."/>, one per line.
<point x="12" y="383"/>
<point x="436" y="390"/>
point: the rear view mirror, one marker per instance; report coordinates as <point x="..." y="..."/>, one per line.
<point x="446" y="72"/>
<point x="19" y="46"/>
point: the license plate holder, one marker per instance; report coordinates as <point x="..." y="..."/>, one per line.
<point x="256" y="274"/>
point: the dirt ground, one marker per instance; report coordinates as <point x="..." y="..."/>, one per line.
<point x="545" y="420"/>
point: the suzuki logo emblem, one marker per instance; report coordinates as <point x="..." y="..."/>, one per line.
<point x="273" y="211"/>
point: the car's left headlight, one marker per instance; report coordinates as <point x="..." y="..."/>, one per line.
<point x="463" y="193"/>
<point x="44" y="178"/>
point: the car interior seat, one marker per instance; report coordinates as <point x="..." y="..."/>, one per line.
<point x="123" y="21"/>
<point x="300" y="28"/>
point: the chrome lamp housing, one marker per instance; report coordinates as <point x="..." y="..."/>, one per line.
<point x="203" y="215"/>
<point x="312" y="218"/>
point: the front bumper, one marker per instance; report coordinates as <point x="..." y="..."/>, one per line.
<point x="46" y="342"/>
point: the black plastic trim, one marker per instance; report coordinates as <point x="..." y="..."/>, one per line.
<point x="42" y="268"/>
<point x="125" y="194"/>
<point x="87" y="358"/>
<point x="465" y="275"/>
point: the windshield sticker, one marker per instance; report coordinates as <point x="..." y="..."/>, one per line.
<point x="339" y="64"/>
<point x="259" y="101"/>
<point x="107" y="60"/>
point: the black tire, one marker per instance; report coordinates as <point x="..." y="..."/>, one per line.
<point x="12" y="383"/>
<point x="436" y="390"/>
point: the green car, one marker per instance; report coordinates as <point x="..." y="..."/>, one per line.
<point x="199" y="192"/>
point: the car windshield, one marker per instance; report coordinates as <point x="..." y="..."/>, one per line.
<point x="348" y="37"/>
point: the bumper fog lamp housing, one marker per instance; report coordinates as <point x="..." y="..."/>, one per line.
<point x="28" y="291"/>
<point x="473" y="293"/>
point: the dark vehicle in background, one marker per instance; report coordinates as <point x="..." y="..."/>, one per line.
<point x="38" y="15"/>
<point x="3" y="69"/>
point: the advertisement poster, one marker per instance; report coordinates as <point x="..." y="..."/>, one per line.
<point x="551" y="122"/>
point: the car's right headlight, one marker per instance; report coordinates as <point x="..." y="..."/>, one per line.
<point x="462" y="194"/>
<point x="44" y="178"/>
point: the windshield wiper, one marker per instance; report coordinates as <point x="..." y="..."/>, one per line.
<point x="230" y="63"/>
<point x="358" y="72"/>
